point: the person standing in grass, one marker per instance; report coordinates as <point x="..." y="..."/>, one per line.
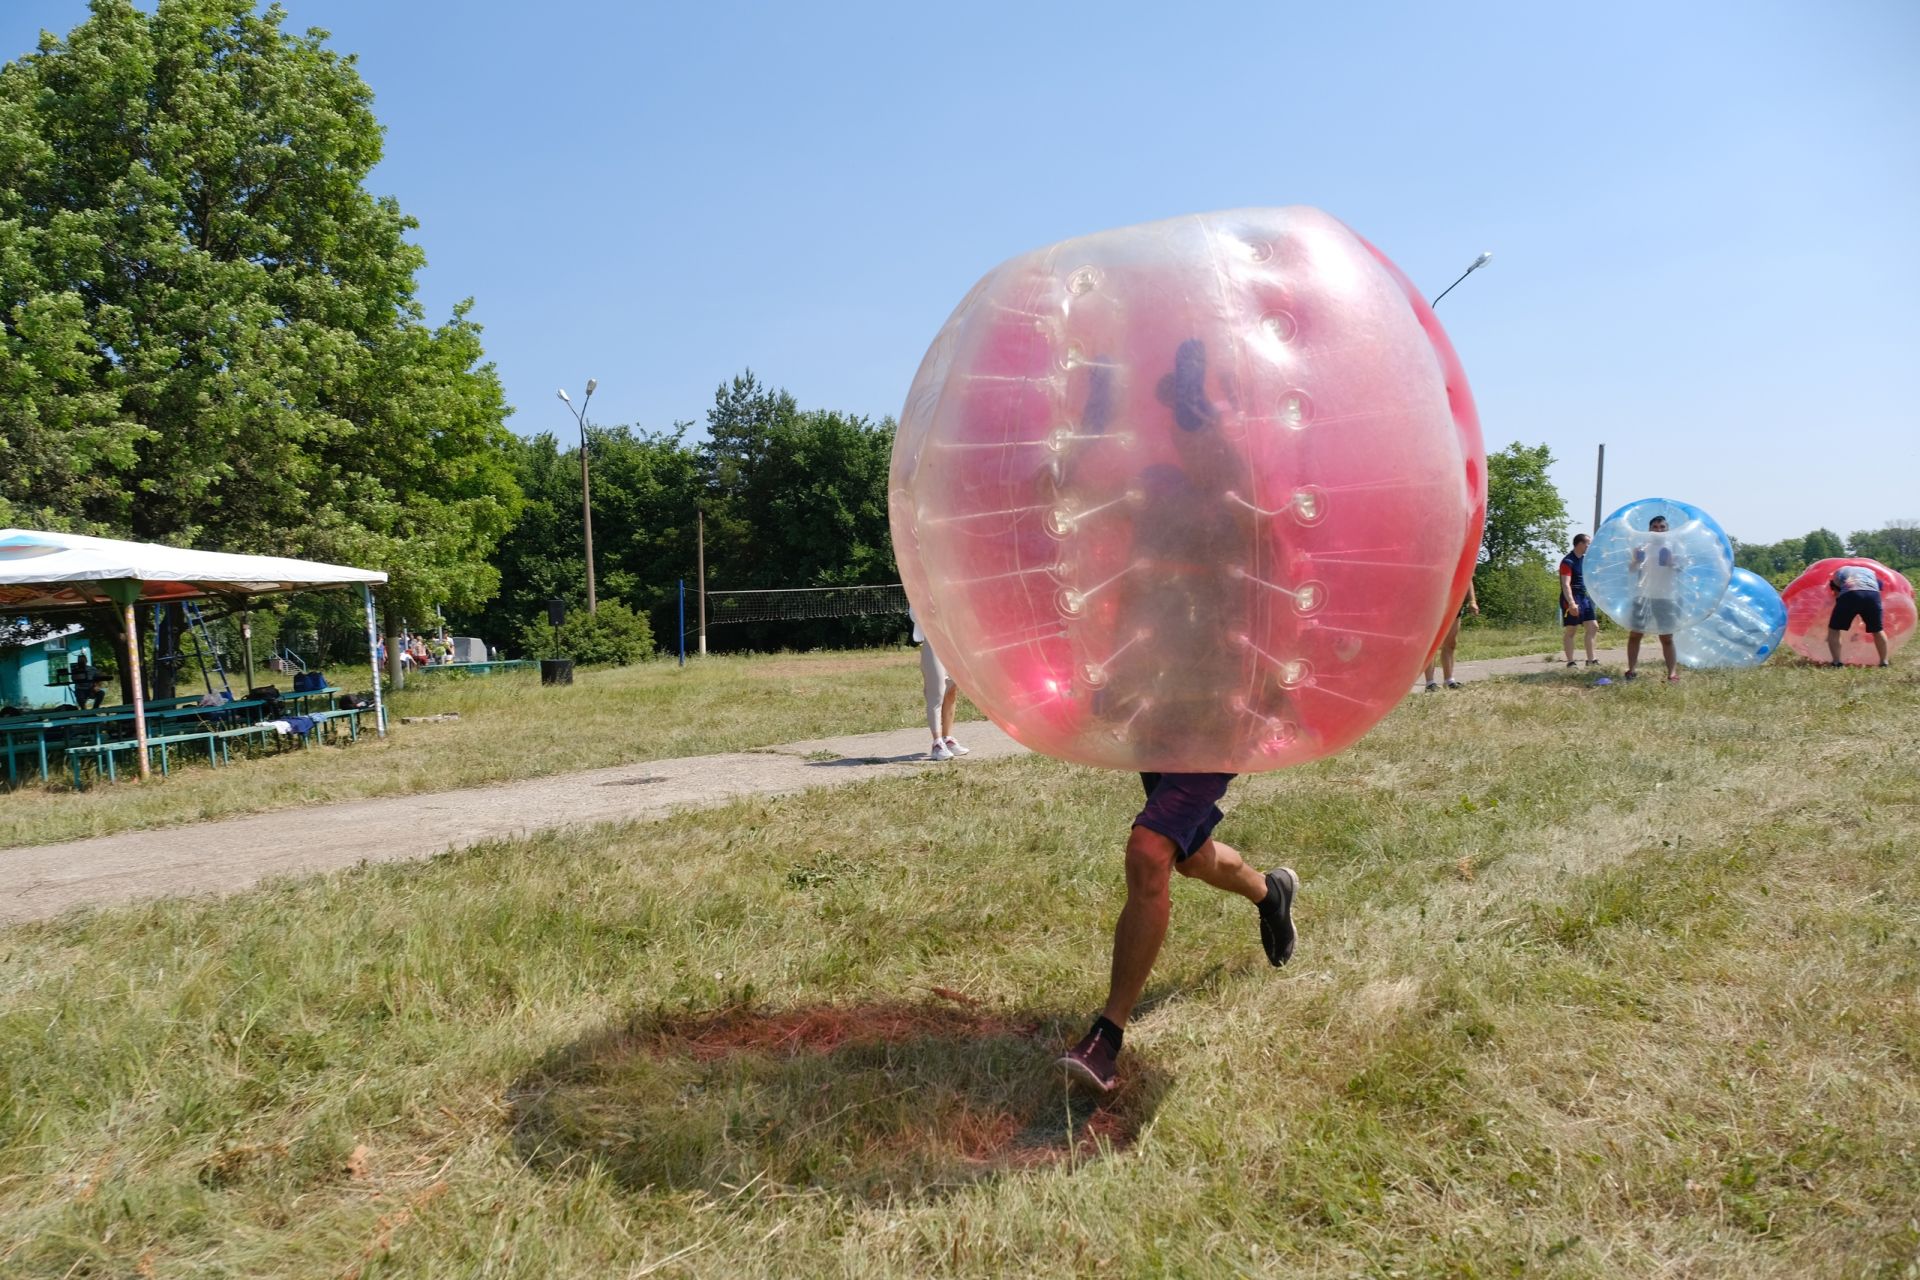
<point x="1576" y="606"/>
<point x="1656" y="574"/>
<point x="1856" y="594"/>
<point x="941" y="695"/>
<point x="1448" y="642"/>
<point x="1174" y="831"/>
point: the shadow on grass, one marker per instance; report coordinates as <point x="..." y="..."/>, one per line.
<point x="841" y="762"/>
<point x="875" y="1102"/>
<point x="1561" y="678"/>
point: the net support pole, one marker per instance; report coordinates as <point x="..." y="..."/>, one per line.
<point x="1599" y="475"/>
<point x="700" y="565"/>
<point x="683" y="622"/>
<point x="373" y="660"/>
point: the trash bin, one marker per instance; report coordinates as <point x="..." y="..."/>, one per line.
<point x="556" y="671"/>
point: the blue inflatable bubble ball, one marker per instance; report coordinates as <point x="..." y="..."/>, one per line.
<point x="1742" y="632"/>
<point x="1658" y="566"/>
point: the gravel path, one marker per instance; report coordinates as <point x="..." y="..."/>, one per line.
<point x="42" y="881"/>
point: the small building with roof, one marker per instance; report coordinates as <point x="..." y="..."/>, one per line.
<point x="33" y="669"/>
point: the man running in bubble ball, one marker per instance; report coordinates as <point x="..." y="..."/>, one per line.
<point x="1174" y="831"/>
<point x="1856" y="594"/>
<point x="1656" y="574"/>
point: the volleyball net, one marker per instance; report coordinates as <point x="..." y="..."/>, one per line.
<point x="784" y="604"/>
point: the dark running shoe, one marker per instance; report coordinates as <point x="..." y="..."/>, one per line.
<point x="1091" y="1062"/>
<point x="1276" y="915"/>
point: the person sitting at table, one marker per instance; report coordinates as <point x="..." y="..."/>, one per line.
<point x="89" y="683"/>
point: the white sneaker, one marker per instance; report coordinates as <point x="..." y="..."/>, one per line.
<point x="956" y="748"/>
<point x="939" y="752"/>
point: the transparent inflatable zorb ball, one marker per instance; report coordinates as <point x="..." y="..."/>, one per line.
<point x="1742" y="631"/>
<point x="1810" y="604"/>
<point x="1655" y="581"/>
<point x="1191" y="496"/>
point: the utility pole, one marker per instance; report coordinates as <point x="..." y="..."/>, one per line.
<point x="1599" y="474"/>
<point x="586" y="489"/>
<point x="700" y="565"/>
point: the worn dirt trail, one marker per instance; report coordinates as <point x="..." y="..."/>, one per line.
<point x="41" y="881"/>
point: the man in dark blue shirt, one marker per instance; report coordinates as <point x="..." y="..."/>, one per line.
<point x="1576" y="606"/>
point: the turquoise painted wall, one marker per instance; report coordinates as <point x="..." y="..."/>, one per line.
<point x="27" y="671"/>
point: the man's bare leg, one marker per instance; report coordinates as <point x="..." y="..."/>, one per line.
<point x="1142" y="926"/>
<point x="1221" y="866"/>
<point x="1880" y="643"/>
<point x="946" y="711"/>
<point x="1633" y="651"/>
<point x="1566" y="642"/>
<point x="1593" y="632"/>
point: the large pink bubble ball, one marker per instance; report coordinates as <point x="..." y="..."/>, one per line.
<point x="1191" y="496"/>
<point x="1810" y="604"/>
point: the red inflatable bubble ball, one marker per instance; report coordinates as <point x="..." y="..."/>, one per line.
<point x="1814" y="604"/>
<point x="1194" y="496"/>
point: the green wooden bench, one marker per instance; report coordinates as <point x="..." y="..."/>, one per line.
<point x="321" y="719"/>
<point x="225" y="738"/>
<point x="265" y="732"/>
<point x="103" y="753"/>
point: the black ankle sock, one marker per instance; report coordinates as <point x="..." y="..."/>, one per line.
<point x="1107" y="1031"/>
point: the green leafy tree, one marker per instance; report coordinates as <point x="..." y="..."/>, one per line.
<point x="614" y="636"/>
<point x="647" y="490"/>
<point x="1821" y="544"/>
<point x="1526" y="517"/>
<point x="1525" y="532"/>
<point x="209" y="333"/>
<point x="1897" y="545"/>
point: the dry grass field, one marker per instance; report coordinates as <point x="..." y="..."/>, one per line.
<point x="1591" y="982"/>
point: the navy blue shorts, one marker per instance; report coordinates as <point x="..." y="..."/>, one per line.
<point x="1583" y="612"/>
<point x="1183" y="807"/>
<point x="1864" y="605"/>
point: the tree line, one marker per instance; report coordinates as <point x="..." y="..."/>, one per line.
<point x="790" y="497"/>
<point x="1895" y="544"/>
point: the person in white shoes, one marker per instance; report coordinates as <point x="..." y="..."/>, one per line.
<point x="941" y="694"/>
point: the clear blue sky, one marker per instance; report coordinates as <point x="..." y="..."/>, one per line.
<point x="1705" y="217"/>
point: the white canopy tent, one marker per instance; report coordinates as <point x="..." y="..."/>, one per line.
<point x="52" y="572"/>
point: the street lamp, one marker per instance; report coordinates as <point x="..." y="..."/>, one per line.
<point x="586" y="488"/>
<point x="1478" y="263"/>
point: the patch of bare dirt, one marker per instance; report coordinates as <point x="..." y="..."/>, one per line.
<point x="877" y="1101"/>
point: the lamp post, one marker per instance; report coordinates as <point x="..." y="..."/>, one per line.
<point x="1478" y="263"/>
<point x="586" y="486"/>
